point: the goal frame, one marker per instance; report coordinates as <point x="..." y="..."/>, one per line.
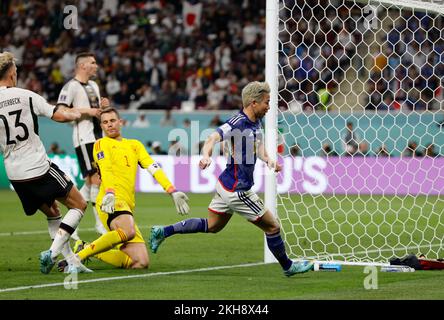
<point x="271" y="118"/>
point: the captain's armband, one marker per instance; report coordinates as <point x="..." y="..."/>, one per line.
<point x="153" y="168"/>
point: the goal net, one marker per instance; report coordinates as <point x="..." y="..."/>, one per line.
<point x="360" y="127"/>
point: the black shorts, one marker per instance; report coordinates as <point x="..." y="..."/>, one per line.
<point x="115" y="214"/>
<point x="43" y="190"/>
<point x="86" y="160"/>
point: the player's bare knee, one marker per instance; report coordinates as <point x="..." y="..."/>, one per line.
<point x="272" y="229"/>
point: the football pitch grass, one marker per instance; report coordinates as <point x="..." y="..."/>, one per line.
<point x="224" y="266"/>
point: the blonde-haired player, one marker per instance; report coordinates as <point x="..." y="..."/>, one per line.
<point x="233" y="190"/>
<point x="117" y="159"/>
<point x="37" y="181"/>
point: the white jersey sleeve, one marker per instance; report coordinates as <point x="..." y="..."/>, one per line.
<point x="24" y="154"/>
<point x="40" y="106"/>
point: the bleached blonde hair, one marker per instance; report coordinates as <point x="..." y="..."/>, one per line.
<point x="7" y="60"/>
<point x="254" y="91"/>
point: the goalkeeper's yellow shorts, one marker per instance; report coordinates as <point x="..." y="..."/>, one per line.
<point x="121" y="208"/>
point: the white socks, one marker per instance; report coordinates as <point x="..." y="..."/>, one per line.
<point x="53" y="226"/>
<point x="67" y="227"/>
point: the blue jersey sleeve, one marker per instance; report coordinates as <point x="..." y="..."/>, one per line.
<point x="225" y="131"/>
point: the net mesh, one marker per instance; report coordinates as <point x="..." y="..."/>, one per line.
<point x="361" y="126"/>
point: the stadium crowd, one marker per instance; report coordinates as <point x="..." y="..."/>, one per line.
<point x="403" y="66"/>
<point x="316" y="49"/>
<point x="150" y="61"/>
<point x="409" y="70"/>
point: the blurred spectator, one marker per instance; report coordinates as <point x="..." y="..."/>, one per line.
<point x="387" y="102"/>
<point x="177" y="149"/>
<point x="147" y="98"/>
<point x="54" y="148"/>
<point x="295" y="151"/>
<point x="195" y="90"/>
<point x="186" y="123"/>
<point x="412" y="150"/>
<point x="216" y="121"/>
<point x="382" y="151"/>
<point x="430" y="151"/>
<point x="350" y="140"/>
<point x="167" y="120"/>
<point x="215" y="97"/>
<point x="141" y="121"/>
<point x="362" y="149"/>
<point x="165" y="96"/>
<point x="327" y="151"/>
<point x="154" y="76"/>
<point x="33" y="83"/>
<point x="125" y="122"/>
<point x="156" y="148"/>
<point x="112" y="86"/>
<point x="122" y="99"/>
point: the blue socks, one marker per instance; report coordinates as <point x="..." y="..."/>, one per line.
<point x="277" y="247"/>
<point x="193" y="225"/>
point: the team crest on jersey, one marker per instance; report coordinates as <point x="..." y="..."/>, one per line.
<point x="100" y="155"/>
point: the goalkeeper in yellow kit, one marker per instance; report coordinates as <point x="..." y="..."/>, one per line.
<point x="117" y="159"/>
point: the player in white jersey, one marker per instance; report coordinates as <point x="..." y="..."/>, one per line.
<point x="37" y="181"/>
<point x="79" y="93"/>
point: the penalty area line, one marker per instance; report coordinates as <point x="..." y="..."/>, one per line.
<point x="146" y="275"/>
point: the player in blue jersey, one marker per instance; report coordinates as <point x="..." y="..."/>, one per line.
<point x="244" y="139"/>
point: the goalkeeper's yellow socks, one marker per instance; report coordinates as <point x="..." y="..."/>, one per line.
<point x="104" y="243"/>
<point x="277" y="248"/>
<point x="116" y="258"/>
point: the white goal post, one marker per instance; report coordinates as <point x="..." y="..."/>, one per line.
<point x="357" y="102"/>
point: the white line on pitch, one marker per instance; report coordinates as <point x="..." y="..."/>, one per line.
<point x="28" y="233"/>
<point x="146" y="275"/>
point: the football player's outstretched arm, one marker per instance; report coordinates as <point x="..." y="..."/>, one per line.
<point x="65" y="114"/>
<point x="180" y="199"/>
<point x="90" y="112"/>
